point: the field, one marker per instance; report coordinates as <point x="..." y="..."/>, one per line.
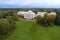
<point x="29" y="30"/>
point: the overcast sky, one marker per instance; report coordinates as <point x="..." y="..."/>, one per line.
<point x="29" y="3"/>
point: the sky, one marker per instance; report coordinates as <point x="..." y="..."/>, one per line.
<point x="29" y="3"/>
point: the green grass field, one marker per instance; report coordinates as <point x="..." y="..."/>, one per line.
<point x="29" y="30"/>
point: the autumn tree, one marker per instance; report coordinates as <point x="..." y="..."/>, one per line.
<point x="15" y="16"/>
<point x="38" y="19"/>
<point x="50" y="19"/>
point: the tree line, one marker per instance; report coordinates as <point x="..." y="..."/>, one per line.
<point x="7" y="22"/>
<point x="49" y="20"/>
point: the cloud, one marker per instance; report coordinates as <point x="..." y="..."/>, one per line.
<point x="16" y="2"/>
<point x="47" y="3"/>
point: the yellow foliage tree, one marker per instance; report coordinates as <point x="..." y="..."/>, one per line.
<point x="38" y="18"/>
<point x="50" y="19"/>
<point x="15" y="16"/>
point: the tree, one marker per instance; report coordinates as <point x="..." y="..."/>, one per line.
<point x="38" y="19"/>
<point x="50" y="19"/>
<point x="10" y="19"/>
<point x="5" y="27"/>
<point x="44" y="20"/>
<point x="1" y="14"/>
<point x="57" y="19"/>
<point x="15" y="16"/>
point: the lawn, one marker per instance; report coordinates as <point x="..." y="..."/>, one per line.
<point x="29" y="30"/>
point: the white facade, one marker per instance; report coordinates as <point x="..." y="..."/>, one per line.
<point x="29" y="15"/>
<point x="52" y="13"/>
<point x="41" y="13"/>
<point x="21" y="13"/>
